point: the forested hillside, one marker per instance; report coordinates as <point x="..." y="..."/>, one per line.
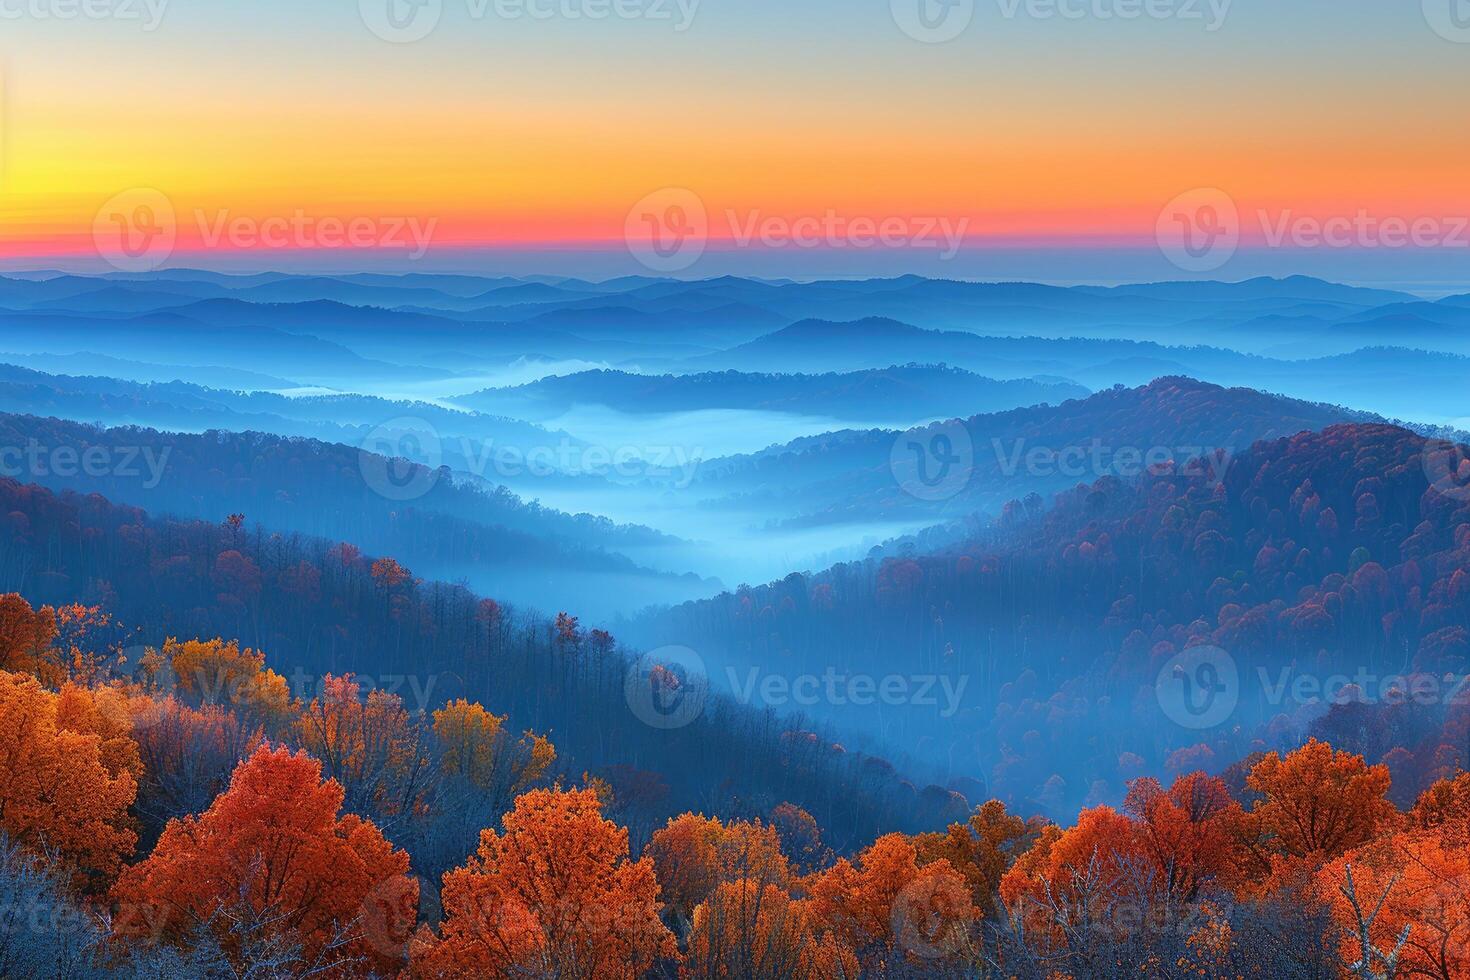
<point x="1327" y="553"/>
<point x="452" y="525"/>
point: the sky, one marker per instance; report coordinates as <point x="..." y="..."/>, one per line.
<point x="1042" y="139"/>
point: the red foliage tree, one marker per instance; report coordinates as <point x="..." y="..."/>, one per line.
<point x="273" y="859"/>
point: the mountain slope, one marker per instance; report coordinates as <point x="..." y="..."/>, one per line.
<point x="910" y="392"/>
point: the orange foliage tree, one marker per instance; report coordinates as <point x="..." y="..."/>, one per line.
<point x="188" y="755"/>
<point x="1423" y="880"/>
<point x="26" y="637"/>
<point x="474" y="746"/>
<point x="1082" y="876"/>
<point x="1188" y="832"/>
<point x="106" y="712"/>
<point x="555" y="894"/>
<point x="371" y="745"/>
<point x="693" y="854"/>
<point x="1422" y="875"/>
<point x="981" y="849"/>
<point x="57" y="790"/>
<point x="1316" y="804"/>
<point x="885" y="906"/>
<point x="272" y="861"/>
<point x="750" y="932"/>
<point x="801" y="838"/>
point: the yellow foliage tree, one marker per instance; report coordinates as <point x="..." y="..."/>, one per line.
<point x="217" y="672"/>
<point x="474" y="747"/>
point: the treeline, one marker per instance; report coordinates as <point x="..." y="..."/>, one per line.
<point x="922" y="391"/>
<point x="1339" y="553"/>
<point x="849" y="477"/>
<point x="183" y="815"/>
<point x="454" y="529"/>
<point x="287" y="476"/>
<point x="315" y="608"/>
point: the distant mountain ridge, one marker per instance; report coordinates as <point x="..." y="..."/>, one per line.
<point x="909" y="391"/>
<point x="842" y="476"/>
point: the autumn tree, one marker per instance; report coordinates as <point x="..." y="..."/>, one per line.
<point x="26" y="636"/>
<point x="474" y="746"/>
<point x="1316" y="804"/>
<point x="692" y="855"/>
<point x="746" y="931"/>
<point x="981" y="849"/>
<point x="389" y="574"/>
<point x="553" y="894"/>
<point x="801" y="838"/>
<point x="1187" y="832"/>
<point x="370" y="744"/>
<point x="272" y="859"/>
<point x="478" y="769"/>
<point x="107" y="712"/>
<point x="1444" y="806"/>
<point x="1423" y="882"/>
<point x="204" y="672"/>
<point x="187" y="756"/>
<point x="884" y="905"/>
<point x="684" y="858"/>
<point x="1083" y="877"/>
<point x="89" y="642"/>
<point x="57" y="792"/>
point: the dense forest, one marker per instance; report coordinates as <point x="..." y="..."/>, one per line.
<point x="1173" y="685"/>
<point x="1341" y="552"/>
<point x="227" y="756"/>
<point x="452" y="526"/>
<point x="315" y="609"/>
<point x="188" y="815"/>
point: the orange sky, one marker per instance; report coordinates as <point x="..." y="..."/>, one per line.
<point x="508" y="133"/>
